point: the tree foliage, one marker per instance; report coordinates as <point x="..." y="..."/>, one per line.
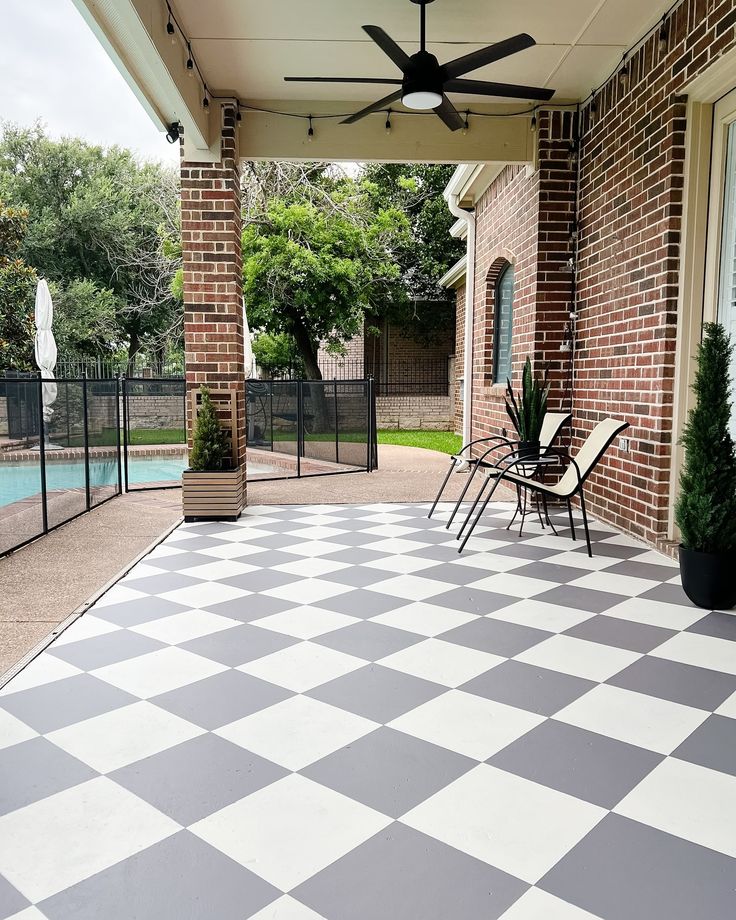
<point x="17" y="287"/>
<point x="97" y="223"/>
<point x="706" y="506"/>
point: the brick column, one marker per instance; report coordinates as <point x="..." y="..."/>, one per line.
<point x="213" y="313"/>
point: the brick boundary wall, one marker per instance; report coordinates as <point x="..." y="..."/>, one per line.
<point x="433" y="413"/>
<point x="632" y="154"/>
<point x="211" y="226"/>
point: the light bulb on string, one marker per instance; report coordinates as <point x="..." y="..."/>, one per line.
<point x="623" y="74"/>
<point x="388" y="122"/>
<point x="310" y="132"/>
<point x="170" y="30"/>
<point x="190" y="61"/>
<point x="466" y="124"/>
<point x="533" y="124"/>
<point x="663" y="37"/>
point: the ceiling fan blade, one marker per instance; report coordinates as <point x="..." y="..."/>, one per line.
<point x="488" y="55"/>
<point x="510" y="90"/>
<point x="388" y="45"/>
<point x="449" y="114"/>
<point x="388" y="80"/>
<point x="375" y="107"/>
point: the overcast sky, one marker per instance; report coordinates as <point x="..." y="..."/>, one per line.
<point x="53" y="68"/>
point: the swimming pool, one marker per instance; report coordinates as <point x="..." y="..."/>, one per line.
<point x="23" y="480"/>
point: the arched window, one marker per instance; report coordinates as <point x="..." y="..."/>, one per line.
<point x="503" y="324"/>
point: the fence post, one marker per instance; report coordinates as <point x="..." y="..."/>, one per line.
<point x="337" y="431"/>
<point x="42" y="457"/>
<point x="369" y="429"/>
<point x="125" y="429"/>
<point x="299" y="426"/>
<point x="118" y="397"/>
<point x="85" y="423"/>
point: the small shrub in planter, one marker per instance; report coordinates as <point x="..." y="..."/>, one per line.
<point x="211" y="488"/>
<point x="528" y="408"/>
<point x="706" y="506"/>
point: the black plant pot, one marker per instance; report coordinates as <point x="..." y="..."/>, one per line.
<point x="709" y="579"/>
<point x="529" y="450"/>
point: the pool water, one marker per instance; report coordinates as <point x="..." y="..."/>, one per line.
<point x="23" y="480"/>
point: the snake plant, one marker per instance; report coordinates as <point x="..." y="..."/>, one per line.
<point x="527" y="409"/>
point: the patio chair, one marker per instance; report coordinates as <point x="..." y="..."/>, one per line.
<point x="569" y="484"/>
<point x="553" y="422"/>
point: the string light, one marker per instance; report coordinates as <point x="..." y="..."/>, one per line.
<point x="572" y="154"/>
<point x="170" y="30"/>
<point x="310" y="132"/>
<point x="388" y="122"/>
<point x="533" y="123"/>
<point x="190" y="61"/>
<point x="623" y="74"/>
<point x="238" y="114"/>
<point x="206" y="101"/>
<point x="466" y="125"/>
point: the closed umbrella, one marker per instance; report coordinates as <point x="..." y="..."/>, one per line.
<point x="45" y="347"/>
<point x="248" y="357"/>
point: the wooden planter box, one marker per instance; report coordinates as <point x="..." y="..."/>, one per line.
<point x="213" y="496"/>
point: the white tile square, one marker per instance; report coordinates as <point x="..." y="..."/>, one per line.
<point x="313" y="548"/>
<point x="290" y="830"/>
<point x="297" y="731"/>
<point x="728" y="707"/>
<point x="591" y="660"/>
<point x="466" y="723"/>
<point x="60" y="840"/>
<point x="686" y="800"/>
<point x="412" y="587"/>
<point x="390" y="530"/>
<point x="540" y="615"/>
<point x="577" y="560"/>
<point x="490" y="563"/>
<point x="655" y="613"/>
<point x="514" y="585"/>
<point x="311" y="568"/>
<point x="316" y="533"/>
<point x="702" y="651"/>
<point x="305" y="622"/>
<point x="536" y="904"/>
<point x="302" y="667"/>
<point x="636" y="718"/>
<point x="115" y="739"/>
<point x="180" y="627"/>
<point x="118" y="594"/>
<point x="396" y="545"/>
<point x="286" y="908"/>
<point x="385" y="517"/>
<point x="204" y="594"/>
<point x="216" y="571"/>
<point x="231" y="551"/>
<point x="159" y="671"/>
<point x="511" y="823"/>
<point x="625" y="585"/>
<point x="44" y="669"/>
<point x="308" y="591"/>
<point x="88" y="626"/>
<point x="402" y="565"/>
<point x="13" y="731"/>
<point x="442" y="662"/>
<point x="30" y="913"/>
<point x="142" y="570"/>
<point x="424" y="619"/>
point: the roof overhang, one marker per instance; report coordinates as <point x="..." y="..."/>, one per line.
<point x="455" y="276"/>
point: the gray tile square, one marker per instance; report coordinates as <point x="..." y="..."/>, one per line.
<point x="680" y="683"/>
<point x="140" y="610"/>
<point x="178" y="561"/>
<point x="110" y="648"/>
<point x="261" y="580"/>
<point x="712" y="744"/>
<point x="357" y="576"/>
<point x="197" y="778"/>
<point x="624" y="870"/>
<point x="202" y="541"/>
<point x="496" y="636"/>
<point x="580" y="598"/>
<point x="11" y="900"/>
<point x="454" y="573"/>
<point x="441" y="552"/>
<point x="472" y="601"/>
<point x="159" y="584"/>
<point x="250" y="607"/>
<point x="221" y="699"/>
<point x="549" y="571"/>
<point x="528" y="687"/>
<point x="269" y="558"/>
<point x="355" y="555"/>
<point x="401" y="874"/>
<point x="180" y="877"/>
<point x="238" y="644"/>
<point x="354" y="538"/>
<point x="637" y="637"/>
<point x="523" y="551"/>
<point x="64" y="702"/>
<point x="368" y="640"/>
<point x="668" y="594"/>
<point x="389" y="771"/>
<point x="276" y="541"/>
<point x="609" y="550"/>
<point x="581" y="763"/>
<point x="35" y="769"/>
<point x="362" y="603"/>
<point x="717" y="624"/>
<point x="377" y="693"/>
<point x="650" y="570"/>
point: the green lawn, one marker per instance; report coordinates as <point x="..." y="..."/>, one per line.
<point x="444" y="441"/>
<point x="109" y="437"/>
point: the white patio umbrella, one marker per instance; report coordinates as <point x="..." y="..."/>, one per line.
<point x="248" y="357"/>
<point x="45" y="347"/>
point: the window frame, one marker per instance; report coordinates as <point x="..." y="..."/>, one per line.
<point x="504" y="271"/>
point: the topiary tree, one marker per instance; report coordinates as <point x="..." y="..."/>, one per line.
<point x="705" y="510"/>
<point x="210" y="449"/>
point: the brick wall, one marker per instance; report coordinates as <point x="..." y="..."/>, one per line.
<point x="631" y="182"/>
<point x="212" y="260"/>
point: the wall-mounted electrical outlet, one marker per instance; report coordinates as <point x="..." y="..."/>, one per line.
<point x="624" y="444"/>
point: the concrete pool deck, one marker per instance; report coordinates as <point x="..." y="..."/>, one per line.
<point x="42" y="583"/>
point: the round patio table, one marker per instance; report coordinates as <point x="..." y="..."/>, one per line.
<point x="533" y="468"/>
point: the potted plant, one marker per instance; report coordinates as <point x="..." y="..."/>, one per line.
<point x="527" y="411"/>
<point x="212" y="487"/>
<point x="705" y="510"/>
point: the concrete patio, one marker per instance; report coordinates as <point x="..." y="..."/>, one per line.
<point x="323" y="711"/>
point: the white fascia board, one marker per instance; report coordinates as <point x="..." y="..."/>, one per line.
<point x="453" y="276"/>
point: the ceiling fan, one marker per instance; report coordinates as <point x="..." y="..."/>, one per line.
<point x="425" y="82"/>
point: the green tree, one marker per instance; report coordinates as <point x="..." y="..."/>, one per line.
<point x="312" y="269"/>
<point x="706" y="506"/>
<point x="209" y="446"/>
<point x="96" y="216"/>
<point x="17" y="287"/>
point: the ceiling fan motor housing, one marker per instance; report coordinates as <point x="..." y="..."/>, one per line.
<point x="422" y="86"/>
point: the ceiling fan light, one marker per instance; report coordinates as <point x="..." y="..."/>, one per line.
<point x="421" y="100"/>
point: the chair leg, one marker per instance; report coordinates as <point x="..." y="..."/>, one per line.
<point x="585" y="523"/>
<point x="546" y="514"/>
<point x="479" y="515"/>
<point x="569" y="514"/>
<point x="442" y="489"/>
<point x="462" y="496"/>
<point x="473" y="507"/>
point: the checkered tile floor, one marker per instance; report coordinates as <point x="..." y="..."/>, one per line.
<point x="326" y="712"/>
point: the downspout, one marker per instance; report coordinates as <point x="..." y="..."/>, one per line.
<point x="469" y="218"/>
